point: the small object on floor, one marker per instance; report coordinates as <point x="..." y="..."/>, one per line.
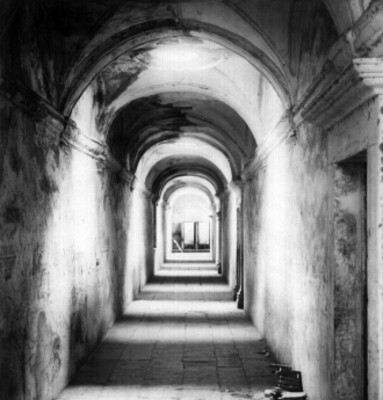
<point x="290" y="380"/>
<point x="289" y="385"/>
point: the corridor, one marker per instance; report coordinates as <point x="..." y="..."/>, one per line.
<point x="183" y="338"/>
<point x="231" y="149"/>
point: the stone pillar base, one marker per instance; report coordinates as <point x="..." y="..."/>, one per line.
<point x="240" y="299"/>
<point x="219" y="268"/>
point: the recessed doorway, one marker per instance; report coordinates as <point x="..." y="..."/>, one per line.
<point x="350" y="278"/>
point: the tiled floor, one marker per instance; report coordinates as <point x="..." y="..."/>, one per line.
<point x="182" y="339"/>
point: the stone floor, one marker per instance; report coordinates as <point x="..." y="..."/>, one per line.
<point x="182" y="339"/>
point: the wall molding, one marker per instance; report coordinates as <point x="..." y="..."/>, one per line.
<point x="99" y="151"/>
<point x="352" y="76"/>
<point x="332" y="98"/>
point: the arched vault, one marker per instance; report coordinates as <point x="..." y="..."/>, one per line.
<point x="182" y="118"/>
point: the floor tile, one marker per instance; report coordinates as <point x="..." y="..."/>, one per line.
<point x="182" y="339"/>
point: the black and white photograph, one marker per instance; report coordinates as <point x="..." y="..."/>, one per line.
<point x="191" y="199"/>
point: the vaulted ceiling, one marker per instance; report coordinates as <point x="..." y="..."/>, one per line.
<point x="186" y="87"/>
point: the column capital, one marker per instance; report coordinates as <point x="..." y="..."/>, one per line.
<point x="235" y="187"/>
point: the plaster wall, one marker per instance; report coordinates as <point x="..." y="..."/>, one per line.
<point x="287" y="275"/>
<point x="292" y="251"/>
<point x="58" y="260"/>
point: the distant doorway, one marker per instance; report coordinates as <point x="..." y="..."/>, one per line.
<point x="190" y="227"/>
<point x="191" y="237"/>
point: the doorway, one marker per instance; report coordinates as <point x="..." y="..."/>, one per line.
<point x="350" y="278"/>
<point x="190" y="220"/>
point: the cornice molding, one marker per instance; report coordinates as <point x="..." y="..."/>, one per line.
<point x="74" y="138"/>
<point x="366" y="36"/>
<point x="333" y="98"/>
<point x="351" y="76"/>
